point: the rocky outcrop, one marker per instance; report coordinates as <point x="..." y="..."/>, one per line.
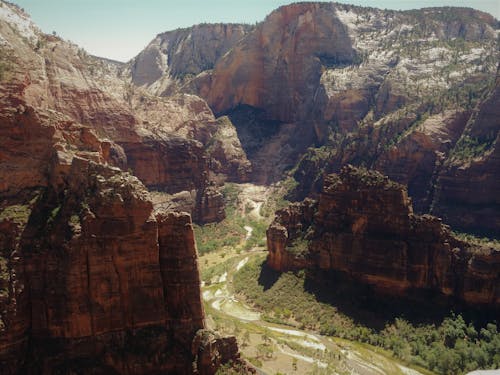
<point x="14" y="301"/>
<point x="278" y="66"/>
<point x="60" y="101"/>
<point x="211" y="351"/>
<point x="331" y="63"/>
<point x="93" y="280"/>
<point x="393" y="91"/>
<point x="364" y="227"/>
<point x="227" y="155"/>
<point x="173" y="55"/>
<point x="419" y="155"/>
<point x="189" y="117"/>
<point x="467" y="192"/>
<point x="285" y="237"/>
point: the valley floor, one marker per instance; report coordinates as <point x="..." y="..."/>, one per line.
<point x="275" y="348"/>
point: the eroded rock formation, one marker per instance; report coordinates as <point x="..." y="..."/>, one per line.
<point x="468" y="191"/>
<point x="93" y="279"/>
<point x="172" y="56"/>
<point x="363" y="226"/>
<point x="393" y="91"/>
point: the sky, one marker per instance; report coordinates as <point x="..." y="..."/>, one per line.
<point x="120" y="29"/>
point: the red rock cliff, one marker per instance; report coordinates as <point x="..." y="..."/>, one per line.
<point x="91" y="279"/>
<point x="364" y="227"/>
<point x="96" y="282"/>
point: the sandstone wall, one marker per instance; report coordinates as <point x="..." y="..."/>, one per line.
<point x="364" y="227"/>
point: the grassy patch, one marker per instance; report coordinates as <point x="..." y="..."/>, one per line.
<point x="17" y="213"/>
<point x="231" y="232"/>
<point x="468" y="148"/>
<point x="219" y="269"/>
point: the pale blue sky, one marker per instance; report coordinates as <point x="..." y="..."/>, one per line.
<point x="119" y="29"/>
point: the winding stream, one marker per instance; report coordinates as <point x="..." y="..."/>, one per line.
<point x="294" y="350"/>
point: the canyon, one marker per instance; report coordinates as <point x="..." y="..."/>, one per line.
<point x="106" y="167"/>
<point x="410" y="94"/>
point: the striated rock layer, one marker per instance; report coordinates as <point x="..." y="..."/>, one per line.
<point x="57" y="96"/>
<point x="93" y="281"/>
<point x="468" y="188"/>
<point x="363" y="226"/>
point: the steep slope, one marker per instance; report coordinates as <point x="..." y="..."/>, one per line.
<point x="474" y="166"/>
<point x="364" y="227"/>
<point x="93" y="278"/>
<point x="176" y="56"/>
<point x="341" y="61"/>
<point x="278" y="66"/>
<point x="390" y="90"/>
<point x="54" y="75"/>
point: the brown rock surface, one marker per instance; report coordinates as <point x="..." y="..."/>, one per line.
<point x="93" y="280"/>
<point x="60" y="101"/>
<point x="419" y="155"/>
<point x="211" y="350"/>
<point x="227" y="155"/>
<point x="364" y="227"/>
<point x="468" y="188"/>
<point x="14" y="310"/>
<point x="278" y="66"/>
<point x="360" y="81"/>
<point x="173" y="55"/>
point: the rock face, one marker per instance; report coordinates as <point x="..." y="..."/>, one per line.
<point x="93" y="280"/>
<point x="227" y="154"/>
<point x="96" y="282"/>
<point x="278" y="66"/>
<point x="418" y="157"/>
<point x="211" y="351"/>
<point x="333" y="63"/>
<point x="65" y="92"/>
<point x="95" y="276"/>
<point x="468" y="191"/>
<point x="364" y="227"/>
<point x="393" y="91"/>
<point x="173" y="55"/>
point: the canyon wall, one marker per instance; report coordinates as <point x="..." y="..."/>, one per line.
<point x="94" y="280"/>
<point x="93" y="277"/>
<point x="364" y="227"/>
<point x="467" y="188"/>
<point x="411" y="94"/>
<point x="183" y="53"/>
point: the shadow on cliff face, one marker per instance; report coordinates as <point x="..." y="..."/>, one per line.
<point x="271" y="146"/>
<point x="374" y="309"/>
<point x="253" y="128"/>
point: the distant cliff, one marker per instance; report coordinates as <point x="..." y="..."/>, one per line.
<point x="411" y="94"/>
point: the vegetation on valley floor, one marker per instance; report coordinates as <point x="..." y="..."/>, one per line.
<point x="231" y="232"/>
<point x="453" y="346"/>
